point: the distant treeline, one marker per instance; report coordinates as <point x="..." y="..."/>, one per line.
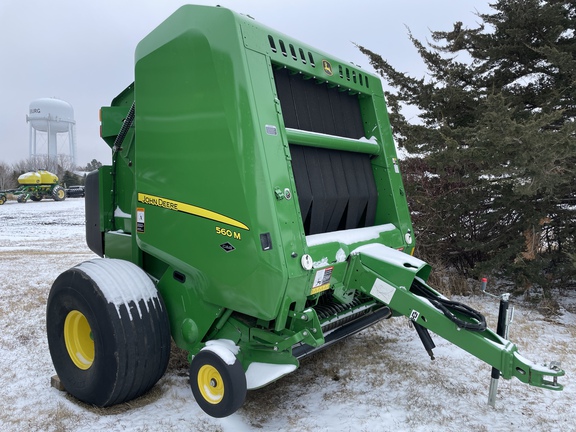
<point x="62" y="166"/>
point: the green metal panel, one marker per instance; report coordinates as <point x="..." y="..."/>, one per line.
<point x="300" y="56"/>
<point x="199" y="145"/>
<point x="118" y="245"/>
<point x="190" y="316"/>
<point x="105" y="199"/>
<point x="295" y="136"/>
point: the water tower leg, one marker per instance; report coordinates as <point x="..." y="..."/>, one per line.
<point x="52" y="143"/>
<point x="31" y="142"/>
<point x="72" y="143"/>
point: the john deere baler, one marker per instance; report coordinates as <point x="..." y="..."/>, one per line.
<point x="254" y="212"/>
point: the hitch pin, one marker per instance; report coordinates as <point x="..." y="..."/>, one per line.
<point x="555" y="365"/>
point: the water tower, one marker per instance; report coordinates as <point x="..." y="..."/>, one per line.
<point x="54" y="118"/>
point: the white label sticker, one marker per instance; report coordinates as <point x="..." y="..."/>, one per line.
<point x="414" y="315"/>
<point x="383" y="291"/>
<point x="322" y="280"/>
<point x="271" y="130"/>
<point x="140" y="220"/>
<point x="322" y="277"/>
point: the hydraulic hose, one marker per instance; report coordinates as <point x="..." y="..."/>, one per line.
<point x="124" y="129"/>
<point x="447" y="307"/>
<point x="126" y="125"/>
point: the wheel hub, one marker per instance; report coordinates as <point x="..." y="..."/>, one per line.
<point x="210" y="384"/>
<point x="79" y="339"/>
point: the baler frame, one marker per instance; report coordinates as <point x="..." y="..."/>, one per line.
<point x="255" y="181"/>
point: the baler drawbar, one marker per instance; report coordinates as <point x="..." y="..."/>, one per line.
<point x="253" y="213"/>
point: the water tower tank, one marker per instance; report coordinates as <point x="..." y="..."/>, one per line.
<point x="52" y="116"/>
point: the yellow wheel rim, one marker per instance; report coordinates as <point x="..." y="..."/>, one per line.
<point x="210" y="384"/>
<point x="61" y="193"/>
<point x="78" y="339"/>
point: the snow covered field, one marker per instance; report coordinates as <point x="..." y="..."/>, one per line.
<point x="378" y="380"/>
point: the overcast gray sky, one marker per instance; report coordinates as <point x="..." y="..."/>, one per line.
<point x="83" y="51"/>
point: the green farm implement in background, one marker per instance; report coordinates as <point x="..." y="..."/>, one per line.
<point x="36" y="185"/>
<point x="254" y="213"/>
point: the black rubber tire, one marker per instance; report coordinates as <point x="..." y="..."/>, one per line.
<point x="131" y="340"/>
<point x="36" y="198"/>
<point x="231" y="377"/>
<point x="22" y="198"/>
<point x="58" y="193"/>
<point x="2" y="199"/>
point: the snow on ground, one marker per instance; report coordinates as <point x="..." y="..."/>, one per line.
<point x="378" y="380"/>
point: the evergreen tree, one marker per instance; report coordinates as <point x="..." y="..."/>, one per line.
<point x="71" y="179"/>
<point x="491" y="178"/>
<point x="93" y="165"/>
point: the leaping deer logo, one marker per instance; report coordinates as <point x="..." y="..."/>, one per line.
<point x="327" y="67"/>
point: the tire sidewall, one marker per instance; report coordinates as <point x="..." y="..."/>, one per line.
<point x="233" y="379"/>
<point x="58" y="193"/>
<point x="74" y="290"/>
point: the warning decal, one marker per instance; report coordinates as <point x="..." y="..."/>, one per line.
<point x="139" y="220"/>
<point x="322" y="280"/>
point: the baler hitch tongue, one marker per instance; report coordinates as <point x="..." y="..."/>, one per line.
<point x="538" y="376"/>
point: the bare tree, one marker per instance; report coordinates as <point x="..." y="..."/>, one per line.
<point x="59" y="165"/>
<point x="5" y="176"/>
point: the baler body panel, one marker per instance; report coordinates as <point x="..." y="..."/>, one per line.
<point x="211" y="136"/>
<point x="199" y="145"/>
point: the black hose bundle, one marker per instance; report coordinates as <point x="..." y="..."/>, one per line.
<point x="447" y="307"/>
<point x="126" y="125"/>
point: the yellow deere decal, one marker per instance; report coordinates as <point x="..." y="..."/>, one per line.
<point x="188" y="208"/>
<point x="319" y="289"/>
<point x="327" y="67"/>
